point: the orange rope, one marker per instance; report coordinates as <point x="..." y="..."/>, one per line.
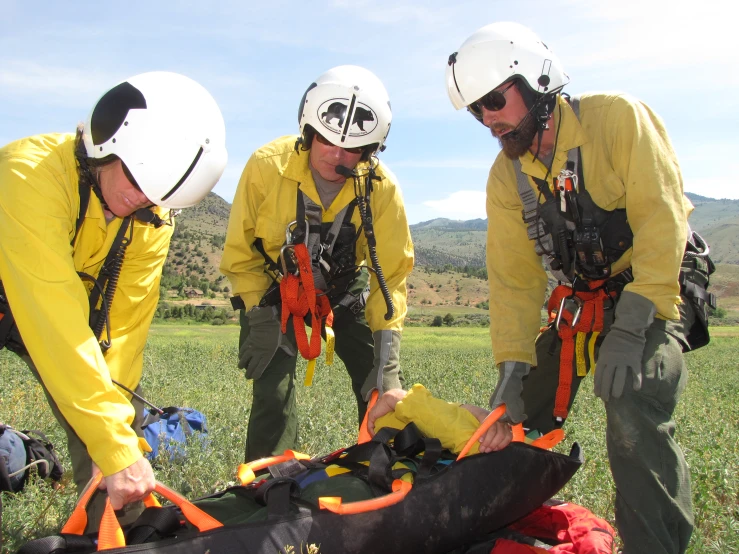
<point x="299" y="298"/>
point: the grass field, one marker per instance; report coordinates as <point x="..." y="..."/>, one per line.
<point x="195" y="366"/>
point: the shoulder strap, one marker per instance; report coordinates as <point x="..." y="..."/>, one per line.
<point x="85" y="189"/>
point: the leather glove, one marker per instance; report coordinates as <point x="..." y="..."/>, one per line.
<point x="509" y="389"/>
<point x="385" y="374"/>
<point x="623" y="347"/>
<point x="261" y="325"/>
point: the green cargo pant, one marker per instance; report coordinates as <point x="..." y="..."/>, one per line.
<point x="82" y="463"/>
<point x="273" y="420"/>
<point x="653" y="506"/>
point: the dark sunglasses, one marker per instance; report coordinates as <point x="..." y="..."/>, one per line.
<point x="323" y="140"/>
<point x="492" y="101"/>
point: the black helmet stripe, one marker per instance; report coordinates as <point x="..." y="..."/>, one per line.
<point x="111" y="110"/>
<point x="186" y="175"/>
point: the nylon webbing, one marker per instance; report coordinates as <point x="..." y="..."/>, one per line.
<point x="535" y="226"/>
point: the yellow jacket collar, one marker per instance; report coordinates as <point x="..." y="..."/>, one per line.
<point x="570" y="134"/>
<point x="298" y="169"/>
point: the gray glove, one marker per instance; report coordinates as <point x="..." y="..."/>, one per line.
<point x="385" y="374"/>
<point x="261" y="337"/>
<point x="623" y="348"/>
<point x="509" y="389"/>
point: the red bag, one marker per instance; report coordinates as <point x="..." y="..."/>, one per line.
<point x="572" y="529"/>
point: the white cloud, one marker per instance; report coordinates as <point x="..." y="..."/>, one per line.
<point x="714" y="187"/>
<point x="463" y="204"/>
<point x="65" y="84"/>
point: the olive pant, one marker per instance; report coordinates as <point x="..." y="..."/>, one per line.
<point x="653" y="505"/>
<point x="82" y="463"/>
<point x="273" y="421"/>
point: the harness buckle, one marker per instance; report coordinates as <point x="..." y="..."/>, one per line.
<point x="567" y="303"/>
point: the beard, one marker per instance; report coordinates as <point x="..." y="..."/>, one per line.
<point x="516" y="143"/>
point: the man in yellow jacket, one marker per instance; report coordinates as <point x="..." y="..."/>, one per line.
<point x="80" y="214"/>
<point x="592" y="185"/>
<point x="324" y="189"/>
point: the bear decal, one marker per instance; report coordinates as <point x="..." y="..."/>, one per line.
<point x="333" y="116"/>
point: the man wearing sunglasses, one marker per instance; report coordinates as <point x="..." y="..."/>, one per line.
<point x="592" y="186"/>
<point x="326" y="189"/>
<point x="81" y="258"/>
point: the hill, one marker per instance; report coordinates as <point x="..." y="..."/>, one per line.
<point x="450" y="255"/>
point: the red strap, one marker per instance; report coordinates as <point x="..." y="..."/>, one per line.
<point x="299" y="298"/>
<point x="591" y="320"/>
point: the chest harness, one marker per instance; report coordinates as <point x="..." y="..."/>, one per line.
<point x="579" y="241"/>
<point x="103" y="287"/>
<point x="317" y="270"/>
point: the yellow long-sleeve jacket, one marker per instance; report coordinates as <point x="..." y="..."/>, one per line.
<point x="628" y="162"/>
<point x="39" y="206"/>
<point x="265" y="203"/>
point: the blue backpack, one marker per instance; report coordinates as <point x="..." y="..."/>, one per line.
<point x="170" y="428"/>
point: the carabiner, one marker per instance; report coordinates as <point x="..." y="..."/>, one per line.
<point x="576" y="314"/>
<point x="289" y="233"/>
<point x="293" y="261"/>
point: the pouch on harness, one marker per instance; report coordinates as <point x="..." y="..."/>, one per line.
<point x="397" y="493"/>
<point x="21" y="451"/>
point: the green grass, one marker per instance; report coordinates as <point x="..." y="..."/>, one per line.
<point x="195" y="366"/>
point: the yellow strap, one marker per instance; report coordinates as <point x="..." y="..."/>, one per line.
<point x="330" y="344"/>
<point x="309" y="372"/>
<point x="591" y="349"/>
<point x="582" y="370"/>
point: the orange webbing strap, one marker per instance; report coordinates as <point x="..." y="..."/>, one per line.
<point x="110" y="534"/>
<point x="246" y="472"/>
<point x="550" y="440"/>
<point x="299" y="298"/>
<point x="334" y="503"/>
<point x="78" y="520"/>
<point x="492" y="417"/>
<point x="590" y="320"/>
<point x="547" y="441"/>
<point x="192" y="513"/>
<point x="364" y="434"/>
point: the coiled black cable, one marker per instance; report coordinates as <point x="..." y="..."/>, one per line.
<point x="365" y="213"/>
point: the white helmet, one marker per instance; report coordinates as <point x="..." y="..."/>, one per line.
<point x="168" y="132"/>
<point x="349" y="106"/>
<point x="498" y="53"/>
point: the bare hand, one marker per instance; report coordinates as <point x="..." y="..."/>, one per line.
<point x="128" y="485"/>
<point x="497" y="437"/>
<point x="385" y="404"/>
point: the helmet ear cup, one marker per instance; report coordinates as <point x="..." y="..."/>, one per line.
<point x="301" y="107"/>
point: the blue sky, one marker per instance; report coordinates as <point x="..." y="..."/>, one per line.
<point x="257" y="58"/>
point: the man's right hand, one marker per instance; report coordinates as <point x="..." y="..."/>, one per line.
<point x="128" y="485"/>
<point x="385" y="404"/>
<point x="509" y="389"/>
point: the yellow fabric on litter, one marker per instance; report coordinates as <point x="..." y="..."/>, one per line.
<point x="446" y="421"/>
